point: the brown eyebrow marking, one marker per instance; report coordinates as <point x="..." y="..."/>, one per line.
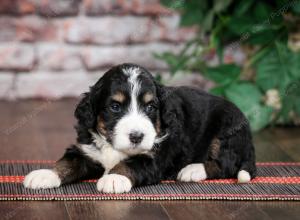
<point x="119" y="97"/>
<point x="148" y="97"/>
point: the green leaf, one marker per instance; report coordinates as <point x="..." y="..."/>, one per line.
<point x="172" y="4"/>
<point x="158" y="77"/>
<point x="295" y="64"/>
<point x="223" y="74"/>
<point x="259" y="116"/>
<point x="219" y="91"/>
<point x="193" y="12"/>
<point x="262" y="11"/>
<point x="287" y="107"/>
<point x="296" y="7"/>
<point x="168" y="57"/>
<point x="277" y="68"/>
<point x="291" y="100"/>
<point x="188" y="19"/>
<point x="261" y="37"/>
<point x="208" y="21"/>
<point x="220" y="5"/>
<point x="242" y="7"/>
<point x="247" y="97"/>
<point x="241" y="25"/>
<point x="244" y="95"/>
<point x="175" y="62"/>
<point x="217" y="44"/>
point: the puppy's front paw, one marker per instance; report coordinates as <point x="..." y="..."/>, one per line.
<point x="192" y="173"/>
<point x="42" y="179"/>
<point x="114" y="183"/>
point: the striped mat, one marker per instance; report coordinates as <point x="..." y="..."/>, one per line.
<point x="275" y="181"/>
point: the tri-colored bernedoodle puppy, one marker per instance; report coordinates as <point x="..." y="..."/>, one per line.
<point x="133" y="131"/>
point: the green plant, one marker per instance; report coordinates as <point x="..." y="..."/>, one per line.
<point x="267" y="86"/>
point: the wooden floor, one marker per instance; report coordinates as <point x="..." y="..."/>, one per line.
<point x="43" y="129"/>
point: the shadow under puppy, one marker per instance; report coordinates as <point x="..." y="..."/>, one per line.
<point x="134" y="131"/>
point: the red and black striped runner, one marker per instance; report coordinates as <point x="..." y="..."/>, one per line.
<point x="275" y="181"/>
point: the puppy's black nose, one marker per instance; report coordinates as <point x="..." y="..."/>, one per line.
<point x="136" y="137"/>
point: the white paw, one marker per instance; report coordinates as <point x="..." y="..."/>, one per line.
<point x="192" y="173"/>
<point x="114" y="183"/>
<point x="42" y="179"/>
<point x="243" y="176"/>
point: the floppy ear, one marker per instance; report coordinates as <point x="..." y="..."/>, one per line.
<point x="85" y="114"/>
<point x="171" y="112"/>
<point x="86" y="119"/>
<point x="84" y="111"/>
<point x="161" y="91"/>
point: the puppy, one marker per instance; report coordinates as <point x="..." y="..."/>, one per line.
<point x="133" y="131"/>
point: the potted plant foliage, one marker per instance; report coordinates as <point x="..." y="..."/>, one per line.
<point x="266" y="86"/>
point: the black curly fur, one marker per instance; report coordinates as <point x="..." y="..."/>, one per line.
<point x="191" y="117"/>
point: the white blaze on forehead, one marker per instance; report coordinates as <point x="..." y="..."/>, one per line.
<point x="133" y="73"/>
<point x="134" y="120"/>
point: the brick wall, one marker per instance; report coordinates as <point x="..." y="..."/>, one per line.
<point x="57" y="48"/>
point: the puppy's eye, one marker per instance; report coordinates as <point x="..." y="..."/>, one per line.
<point x="115" y="107"/>
<point x="150" y="108"/>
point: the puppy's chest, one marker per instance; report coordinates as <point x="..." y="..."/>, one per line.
<point x="104" y="154"/>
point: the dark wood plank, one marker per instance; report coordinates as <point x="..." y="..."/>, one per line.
<point x="280" y="210"/>
<point x="57" y="127"/>
<point x="288" y="140"/>
<point x="124" y="210"/>
<point x="21" y="137"/>
<point x="36" y="129"/>
<point x="33" y="210"/>
<point x="194" y="210"/>
<point x="213" y="210"/>
<point x="266" y="150"/>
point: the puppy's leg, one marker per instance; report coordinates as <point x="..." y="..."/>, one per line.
<point x="237" y="157"/>
<point x="200" y="171"/>
<point x="134" y="171"/>
<point x="42" y="179"/>
<point x="73" y="166"/>
<point x="192" y="173"/>
<point x="247" y="169"/>
<point x="233" y="157"/>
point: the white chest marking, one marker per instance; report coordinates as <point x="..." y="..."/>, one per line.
<point x="103" y="153"/>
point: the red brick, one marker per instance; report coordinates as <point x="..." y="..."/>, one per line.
<point x="16" y="6"/>
<point x="125" y="29"/>
<point x="96" y="58"/>
<point x="108" y="30"/>
<point x="139" y="7"/>
<point x="48" y="8"/>
<point x="149" y="7"/>
<point x="6" y="84"/>
<point x="29" y="28"/>
<point x="17" y="57"/>
<point x="36" y="29"/>
<point x="8" y="29"/>
<point x="54" y="8"/>
<point x="59" y="57"/>
<point x="170" y="29"/>
<point x="53" y="85"/>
